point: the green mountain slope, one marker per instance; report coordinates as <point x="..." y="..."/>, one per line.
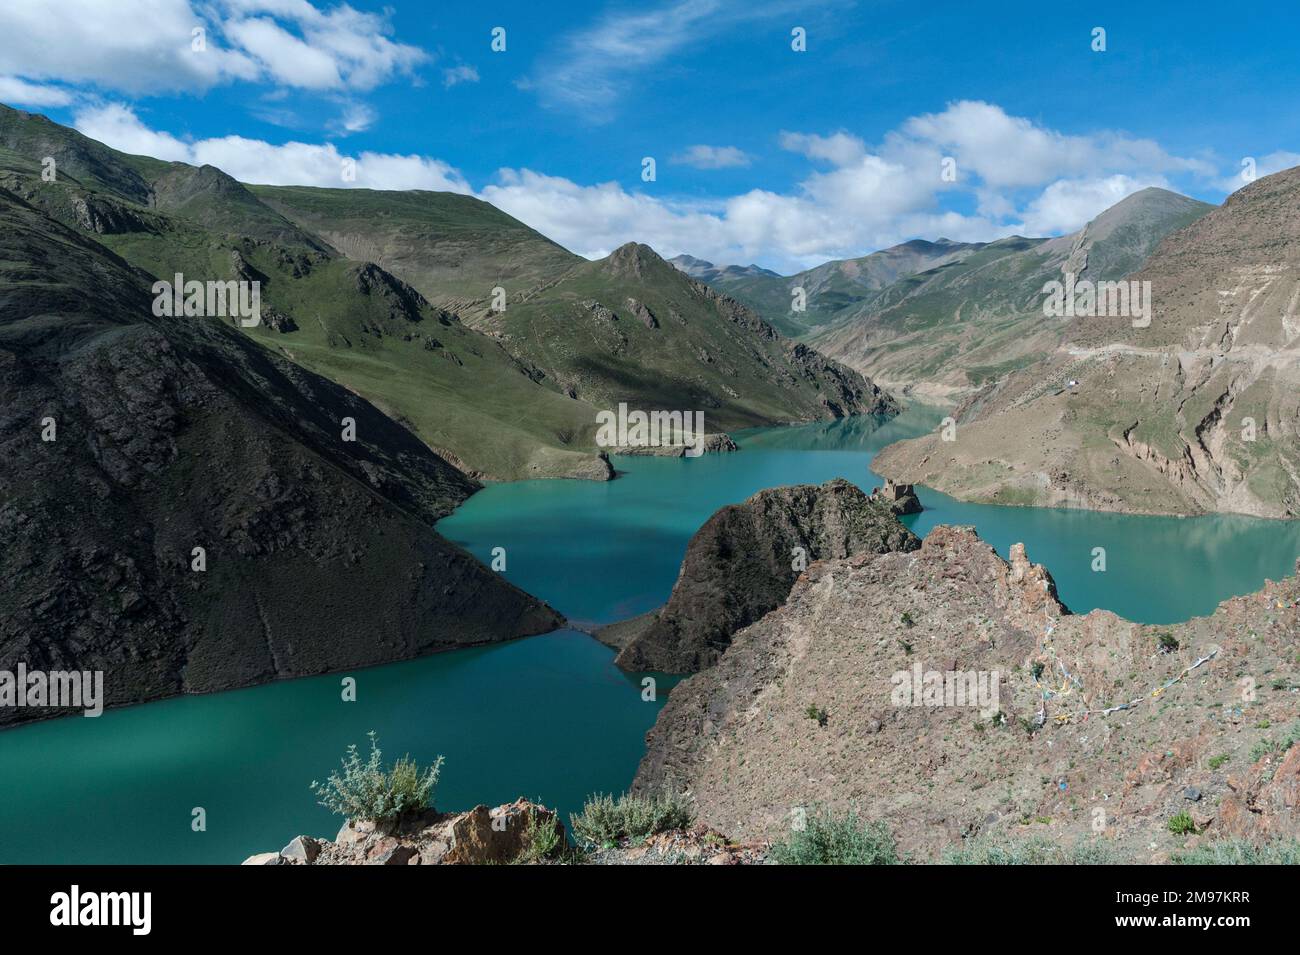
<point x="368" y="288"/>
<point x="633" y="328"/>
<point x="455" y="249"/>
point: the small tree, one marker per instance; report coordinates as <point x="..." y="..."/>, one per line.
<point x="365" y="790"/>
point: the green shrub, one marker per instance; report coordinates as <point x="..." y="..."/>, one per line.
<point x="365" y="790"/>
<point x="1168" y="642"/>
<point x="827" y="839"/>
<point x="818" y="713"/>
<point x="1241" y="852"/>
<point x="1182" y="824"/>
<point x="1036" y="850"/>
<point x="1264" y="747"/>
<point x="1261" y="749"/>
<point x="542" y="840"/>
<point x="1217" y="761"/>
<point x="605" y="821"/>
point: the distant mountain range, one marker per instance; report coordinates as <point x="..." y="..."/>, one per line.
<point x="940" y="319"/>
<point x="832" y="290"/>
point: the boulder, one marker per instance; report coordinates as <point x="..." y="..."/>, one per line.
<point x="303" y="849"/>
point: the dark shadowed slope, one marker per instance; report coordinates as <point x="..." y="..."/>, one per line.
<point x="172" y="434"/>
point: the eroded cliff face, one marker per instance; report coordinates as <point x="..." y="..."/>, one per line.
<point x="742" y="563"/>
<point x="1099" y="729"/>
<point x="127" y="441"/>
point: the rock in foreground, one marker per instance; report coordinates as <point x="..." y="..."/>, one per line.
<point x="1083" y="728"/>
<point x="519" y="831"/>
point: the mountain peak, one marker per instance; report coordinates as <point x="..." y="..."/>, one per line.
<point x="632" y="259"/>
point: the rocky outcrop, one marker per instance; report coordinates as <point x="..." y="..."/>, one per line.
<point x="742" y="563"/>
<point x="517" y="832"/>
<point x="713" y="444"/>
<point x="901" y="498"/>
<point x="1100" y="729"/>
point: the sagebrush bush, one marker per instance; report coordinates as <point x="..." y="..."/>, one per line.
<point x="605" y="821"/>
<point x="543" y="840"/>
<point x="367" y="791"/>
<point x="827" y="839"/>
<point x="1036" y="850"/>
<point x="1241" y="852"/>
<point x="1182" y="824"/>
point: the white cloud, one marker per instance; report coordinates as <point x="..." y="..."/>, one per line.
<point x="117" y="126"/>
<point x="790" y="232"/>
<point x="341" y="48"/>
<point x="711" y="157"/>
<point x="870" y="197"/>
<point x="147" y="46"/>
<point x="1014" y="176"/>
<point x="356" y="118"/>
<point x="1010" y="151"/>
<point x="257" y="161"/>
<point x="22" y="93"/>
<point x="590" y="69"/>
<point x="839" y="148"/>
<point x="1067" y="204"/>
<point x="455" y="75"/>
<point x="1263" y="166"/>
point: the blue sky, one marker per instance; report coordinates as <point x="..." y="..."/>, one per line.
<point x="762" y="153"/>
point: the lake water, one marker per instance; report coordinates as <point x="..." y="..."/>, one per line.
<point x="550" y="717"/>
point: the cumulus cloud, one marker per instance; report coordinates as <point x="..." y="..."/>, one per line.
<point x="1013" y="175"/>
<point x="711" y="157"/>
<point x="257" y="161"/>
<point x="839" y="148"/>
<point x="1067" y="203"/>
<point x="148" y="46"/>
<point x="1007" y="151"/>
<point x="22" y="93"/>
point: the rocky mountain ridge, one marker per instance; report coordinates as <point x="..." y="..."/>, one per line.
<point x="1195" y="411"/>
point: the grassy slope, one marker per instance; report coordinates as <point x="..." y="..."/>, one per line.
<point x="467" y="399"/>
<point x="698" y="350"/>
<point x="454" y="249"/>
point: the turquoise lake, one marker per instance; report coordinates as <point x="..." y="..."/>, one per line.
<point x="549" y="717"/>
